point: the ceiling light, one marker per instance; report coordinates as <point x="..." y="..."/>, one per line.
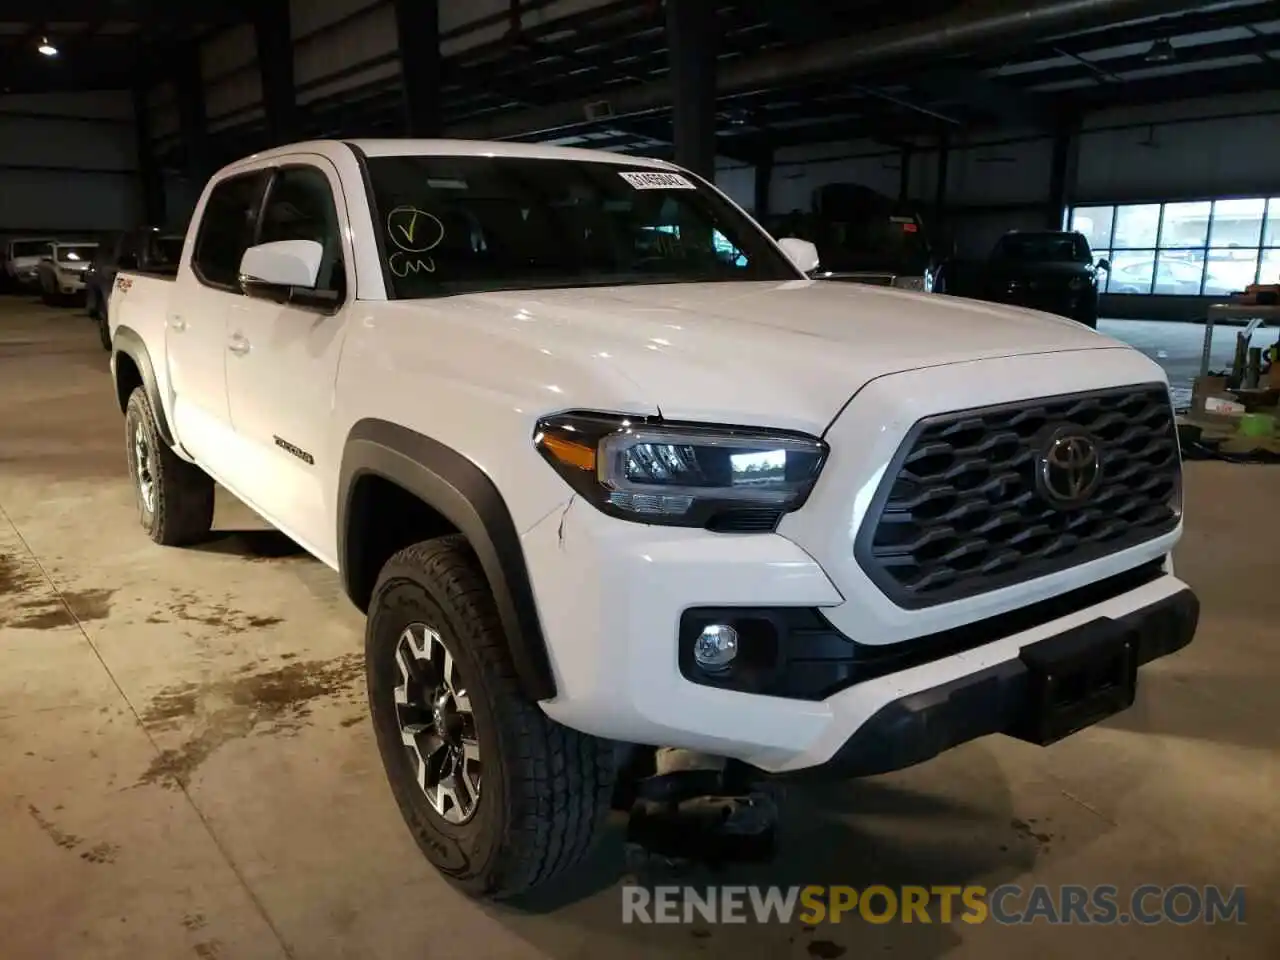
<point x="47" y="48"/>
<point x="1161" y="52"/>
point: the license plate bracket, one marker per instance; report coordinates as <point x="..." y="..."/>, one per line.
<point x="1076" y="679"/>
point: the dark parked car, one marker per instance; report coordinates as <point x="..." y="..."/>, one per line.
<point x="864" y="237"/>
<point x="146" y="249"/>
<point x="1051" y="271"/>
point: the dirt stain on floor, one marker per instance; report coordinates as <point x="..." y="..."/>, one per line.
<point x="58" y="610"/>
<point x="190" y="608"/>
<point x="100" y="853"/>
<point x="273" y="701"/>
<point x="16" y="576"/>
<point x="67" y="841"/>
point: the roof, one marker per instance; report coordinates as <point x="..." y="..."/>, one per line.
<point x="499" y="148"/>
<point x="406" y="146"/>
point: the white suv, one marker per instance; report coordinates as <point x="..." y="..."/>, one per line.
<point x="609" y="474"/>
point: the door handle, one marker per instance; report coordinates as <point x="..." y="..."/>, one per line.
<point x="238" y="345"/>
<point x="177" y="324"/>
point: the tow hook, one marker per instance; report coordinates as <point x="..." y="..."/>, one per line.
<point x="702" y="809"/>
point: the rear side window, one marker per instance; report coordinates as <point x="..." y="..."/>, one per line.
<point x="226" y="228"/>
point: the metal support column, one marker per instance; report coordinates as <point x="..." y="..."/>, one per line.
<point x="691" y="42"/>
<point x="274" y="36"/>
<point x="193" y="122"/>
<point x="1062" y="175"/>
<point x="418" y="26"/>
<point x="940" y="189"/>
<point x="148" y="170"/>
<point x="764" y="181"/>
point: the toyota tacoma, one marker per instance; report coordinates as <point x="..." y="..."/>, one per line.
<point x="609" y="475"/>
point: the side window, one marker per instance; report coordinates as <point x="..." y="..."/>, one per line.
<point x="300" y="207"/>
<point x="226" y="228"/>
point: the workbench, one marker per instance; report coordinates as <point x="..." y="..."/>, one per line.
<point x="1253" y="314"/>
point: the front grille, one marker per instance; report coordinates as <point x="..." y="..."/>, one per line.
<point x="960" y="511"/>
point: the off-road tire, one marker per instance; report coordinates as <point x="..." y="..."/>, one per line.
<point x="544" y="789"/>
<point x="182" y="507"/>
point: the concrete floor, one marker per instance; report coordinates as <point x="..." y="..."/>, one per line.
<point x="186" y="766"/>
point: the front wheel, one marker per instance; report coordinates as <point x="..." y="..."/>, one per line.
<point x="499" y="797"/>
<point x="175" y="498"/>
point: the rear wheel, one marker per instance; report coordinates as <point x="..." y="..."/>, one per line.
<point x="499" y="797"/>
<point x="175" y="498"/>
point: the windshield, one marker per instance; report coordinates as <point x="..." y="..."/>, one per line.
<point x="30" y="248"/>
<point x="468" y="224"/>
<point x="80" y="254"/>
<point x="1044" y="248"/>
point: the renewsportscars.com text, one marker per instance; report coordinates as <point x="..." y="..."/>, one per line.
<point x="1009" y="904"/>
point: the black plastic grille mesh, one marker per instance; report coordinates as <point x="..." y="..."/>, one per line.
<point x="960" y="513"/>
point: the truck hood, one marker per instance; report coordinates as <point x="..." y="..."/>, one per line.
<point x="783" y="354"/>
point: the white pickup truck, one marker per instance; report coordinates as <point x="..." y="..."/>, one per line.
<point x="604" y="469"/>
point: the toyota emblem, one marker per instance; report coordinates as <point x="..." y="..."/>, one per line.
<point x="1070" y="467"/>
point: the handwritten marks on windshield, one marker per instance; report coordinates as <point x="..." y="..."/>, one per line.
<point x="414" y="233"/>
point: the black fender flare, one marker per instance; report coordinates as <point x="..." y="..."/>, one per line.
<point x="463" y="494"/>
<point x="129" y="343"/>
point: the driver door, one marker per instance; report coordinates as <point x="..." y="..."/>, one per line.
<point x="282" y="362"/>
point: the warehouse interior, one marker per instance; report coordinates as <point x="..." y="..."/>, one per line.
<point x="187" y="765"/>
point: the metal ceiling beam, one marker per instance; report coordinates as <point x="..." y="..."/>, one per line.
<point x="1116" y="67"/>
<point x="1244" y="79"/>
<point x="968" y="30"/>
<point x="124" y="11"/>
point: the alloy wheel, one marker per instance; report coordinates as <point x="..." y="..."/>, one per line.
<point x="142" y="468"/>
<point x="437" y="725"/>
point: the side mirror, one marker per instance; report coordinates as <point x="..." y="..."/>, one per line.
<point x="274" y="271"/>
<point x="800" y="252"/>
<point x="1104" y="264"/>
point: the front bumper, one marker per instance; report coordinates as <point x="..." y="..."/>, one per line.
<point x="999" y="699"/>
<point x="69" y="285"/>
<point x="611" y="595"/>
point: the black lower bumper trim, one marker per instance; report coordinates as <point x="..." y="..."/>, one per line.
<point x="1000" y="699"/>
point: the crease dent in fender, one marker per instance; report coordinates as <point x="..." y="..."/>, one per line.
<point x="563" y="517"/>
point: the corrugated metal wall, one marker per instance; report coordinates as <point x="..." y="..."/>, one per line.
<point x="68" y="163"/>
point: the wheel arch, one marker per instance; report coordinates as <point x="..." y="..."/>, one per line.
<point x="131" y="367"/>
<point x="453" y="486"/>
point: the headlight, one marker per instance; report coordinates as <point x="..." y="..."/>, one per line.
<point x="909" y="283"/>
<point x="690" y="475"/>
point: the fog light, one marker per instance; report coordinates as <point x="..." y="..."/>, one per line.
<point x="715" y="647"/>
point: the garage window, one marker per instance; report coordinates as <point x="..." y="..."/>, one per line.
<point x="1186" y="247"/>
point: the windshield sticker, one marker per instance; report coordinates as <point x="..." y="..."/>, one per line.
<point x="656" y="181"/>
<point x="415" y="233"/>
<point x="450" y="184"/>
